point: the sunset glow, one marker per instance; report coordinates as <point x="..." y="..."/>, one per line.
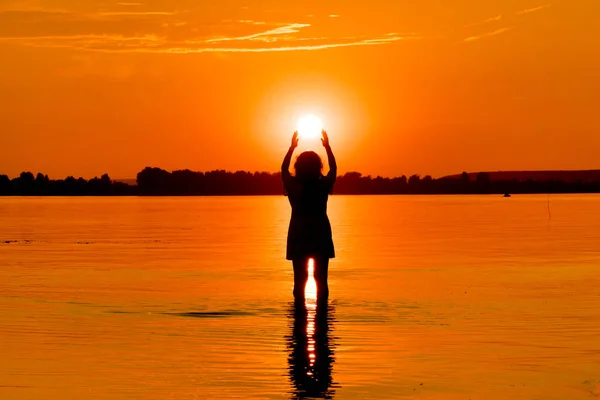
<point x="409" y="87"/>
<point x="309" y="126"/>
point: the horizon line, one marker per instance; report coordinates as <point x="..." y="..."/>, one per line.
<point x="342" y="174"/>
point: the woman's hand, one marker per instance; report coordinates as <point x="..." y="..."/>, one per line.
<point x="295" y="140"/>
<point x="325" y="139"/>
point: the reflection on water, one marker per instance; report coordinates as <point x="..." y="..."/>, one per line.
<point x="310" y="345"/>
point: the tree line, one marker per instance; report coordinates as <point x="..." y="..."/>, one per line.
<point x="158" y="182"/>
<point x="27" y="184"/>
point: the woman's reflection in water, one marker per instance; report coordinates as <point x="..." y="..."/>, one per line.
<point x="310" y="345"/>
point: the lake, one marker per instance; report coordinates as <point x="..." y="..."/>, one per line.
<point x="432" y="297"/>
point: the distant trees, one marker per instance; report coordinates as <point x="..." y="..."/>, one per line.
<point x="482" y="182"/>
<point x="414" y="183"/>
<point x="40" y="185"/>
<point x="5" y="185"/>
<point x="158" y="182"/>
<point x="154" y="181"/>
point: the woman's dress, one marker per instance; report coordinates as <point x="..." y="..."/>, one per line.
<point x="309" y="233"/>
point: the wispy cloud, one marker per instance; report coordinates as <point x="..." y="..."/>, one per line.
<point x="176" y="24"/>
<point x="142" y="30"/>
<point x="365" y="42"/>
<point x="22" y="7"/>
<point x="251" y="22"/>
<point x="534" y="9"/>
<point x="486" y="35"/>
<point x="80" y="41"/>
<point x="130" y="13"/>
<point x="334" y="16"/>
<point x="157" y="44"/>
<point x="267" y="36"/>
<point x="31" y="11"/>
<point x="486" y="21"/>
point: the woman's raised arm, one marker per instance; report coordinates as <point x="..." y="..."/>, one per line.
<point x="332" y="174"/>
<point x="285" y="166"/>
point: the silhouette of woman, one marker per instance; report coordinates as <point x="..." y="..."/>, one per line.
<point x="309" y="234"/>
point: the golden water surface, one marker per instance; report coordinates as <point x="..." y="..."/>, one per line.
<point x="441" y="297"/>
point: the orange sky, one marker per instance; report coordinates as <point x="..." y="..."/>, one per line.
<point x="428" y="86"/>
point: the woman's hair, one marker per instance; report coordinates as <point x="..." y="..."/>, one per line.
<point x="308" y="165"/>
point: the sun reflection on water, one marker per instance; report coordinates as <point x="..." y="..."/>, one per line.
<point x="310" y="290"/>
<point x="310" y="301"/>
<point x="311" y="348"/>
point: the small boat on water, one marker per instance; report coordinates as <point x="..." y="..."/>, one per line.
<point x="507" y="194"/>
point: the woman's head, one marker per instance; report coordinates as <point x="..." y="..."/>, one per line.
<point x="308" y="165"/>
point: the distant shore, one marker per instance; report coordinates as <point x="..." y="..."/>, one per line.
<point x="158" y="182"/>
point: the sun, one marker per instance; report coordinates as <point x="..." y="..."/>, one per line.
<point x="309" y="126"/>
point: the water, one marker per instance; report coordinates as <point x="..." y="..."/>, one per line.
<point x="442" y="297"/>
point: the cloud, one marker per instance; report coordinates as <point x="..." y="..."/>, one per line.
<point x="165" y="31"/>
<point x="41" y="15"/>
<point x="130" y="4"/>
<point x="23" y="8"/>
<point x="157" y="44"/>
<point x="334" y="16"/>
<point x="39" y="22"/>
<point x="534" y="9"/>
<point x="251" y="22"/>
<point x="364" y="42"/>
<point x="176" y="24"/>
<point x="267" y="36"/>
<point x="486" y="35"/>
<point x="485" y="21"/>
<point x="84" y="41"/>
<point x="130" y="13"/>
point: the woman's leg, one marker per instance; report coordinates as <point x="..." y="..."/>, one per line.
<point x="321" y="272"/>
<point x="300" y="276"/>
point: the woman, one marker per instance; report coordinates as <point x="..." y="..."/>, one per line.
<point x="309" y="234"/>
